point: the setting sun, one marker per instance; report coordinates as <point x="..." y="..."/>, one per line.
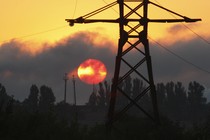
<point x="85" y="71"/>
<point x="92" y="71"/>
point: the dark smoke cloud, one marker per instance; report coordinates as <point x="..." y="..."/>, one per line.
<point x="19" y="69"/>
<point x="169" y="67"/>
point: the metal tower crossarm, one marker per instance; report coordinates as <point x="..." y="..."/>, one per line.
<point x="84" y="19"/>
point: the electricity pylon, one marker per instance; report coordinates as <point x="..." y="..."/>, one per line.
<point x="133" y="28"/>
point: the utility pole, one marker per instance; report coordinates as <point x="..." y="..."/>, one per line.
<point x="75" y="99"/>
<point x="133" y="29"/>
<point x="65" y="78"/>
<point x="74" y="88"/>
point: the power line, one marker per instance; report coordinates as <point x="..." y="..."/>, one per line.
<point x="176" y="55"/>
<point x="111" y="8"/>
<point x="45" y="31"/>
<point x="75" y="8"/>
<point x="199" y="36"/>
<point x="202" y="38"/>
<point x="38" y="33"/>
<point x="180" y="57"/>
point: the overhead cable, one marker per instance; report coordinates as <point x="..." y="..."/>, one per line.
<point x="199" y="36"/>
<point x="180" y="57"/>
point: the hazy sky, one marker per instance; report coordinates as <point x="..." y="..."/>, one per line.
<point x="25" y="17"/>
<point x="38" y="46"/>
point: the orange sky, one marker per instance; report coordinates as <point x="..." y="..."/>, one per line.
<point x="20" y="18"/>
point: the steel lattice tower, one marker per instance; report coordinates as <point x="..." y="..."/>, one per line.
<point x="133" y="28"/>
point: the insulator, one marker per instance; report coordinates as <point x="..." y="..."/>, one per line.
<point x="71" y="23"/>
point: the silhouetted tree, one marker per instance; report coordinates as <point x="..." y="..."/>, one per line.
<point x="10" y="105"/>
<point x="107" y="92"/>
<point x="3" y="97"/>
<point x="180" y="93"/>
<point x="196" y="99"/>
<point x="161" y="97"/>
<point x="47" y="99"/>
<point x="31" y="103"/>
<point x="128" y="86"/>
<point x="2" y="91"/>
<point x="120" y="100"/>
<point x="138" y="87"/>
<point x="175" y="104"/>
<point x="93" y="99"/>
<point x="21" y="125"/>
<point x="171" y="101"/>
<point x="101" y="97"/>
<point x="180" y="99"/>
<point x="195" y="94"/>
<point x="125" y="88"/>
<point x="5" y="100"/>
<point x="170" y="91"/>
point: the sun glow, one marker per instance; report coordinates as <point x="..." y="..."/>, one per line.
<point x="85" y="71"/>
<point x="92" y="71"/>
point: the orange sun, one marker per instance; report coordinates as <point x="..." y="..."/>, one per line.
<point x="92" y="71"/>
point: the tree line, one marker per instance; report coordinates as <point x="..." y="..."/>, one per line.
<point x="174" y="100"/>
<point x="185" y="114"/>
